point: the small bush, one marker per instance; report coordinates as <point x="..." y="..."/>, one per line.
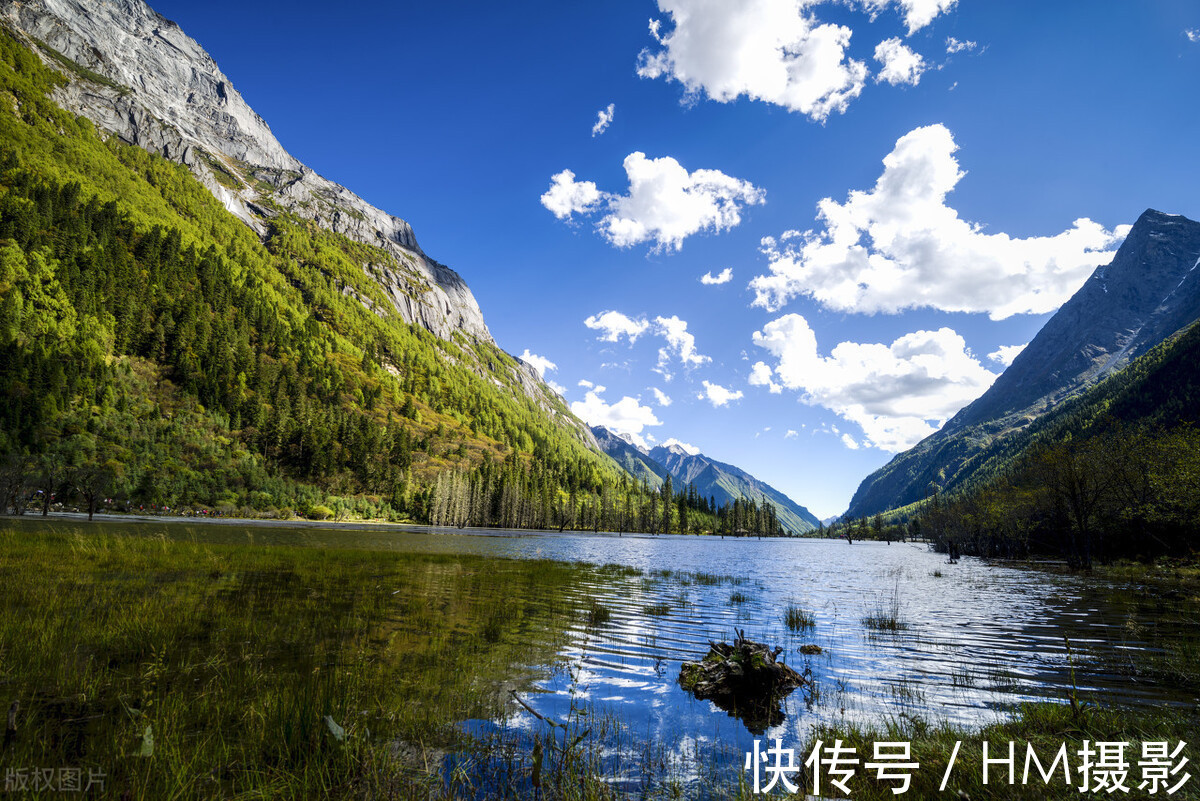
<point x="319" y="512"/>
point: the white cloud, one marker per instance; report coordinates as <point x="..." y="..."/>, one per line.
<point x="615" y="325"/>
<point x="539" y="363"/>
<point x="583" y="382"/>
<point x="1193" y="34"/>
<point x="791" y="434"/>
<point x="627" y="416"/>
<point x="900" y="64"/>
<point x="1006" y="353"/>
<point x="959" y="45"/>
<point x="917" y="13"/>
<point x="768" y="50"/>
<point x="849" y="442"/>
<point x="680" y="341"/>
<point x="604" y="118"/>
<point x="557" y="387"/>
<point x="660" y="396"/>
<point x="566" y="196"/>
<point x="665" y="204"/>
<point x="761" y="375"/>
<point x="692" y="449"/>
<point x="899" y="246"/>
<point x="718" y="395"/>
<point x="898" y="393"/>
<point x="724" y="277"/>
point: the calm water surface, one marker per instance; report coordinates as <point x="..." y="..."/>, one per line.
<point x="979" y="638"/>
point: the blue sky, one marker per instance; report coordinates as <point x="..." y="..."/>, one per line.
<point x="896" y="189"/>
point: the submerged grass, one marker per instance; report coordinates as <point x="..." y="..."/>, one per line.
<point x="797" y="618"/>
<point x="259" y="671"/>
<point x="1160" y="603"/>
<point x="886" y="617"/>
<point x="598" y="614"/>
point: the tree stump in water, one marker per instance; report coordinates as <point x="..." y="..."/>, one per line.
<point x="743" y="679"/>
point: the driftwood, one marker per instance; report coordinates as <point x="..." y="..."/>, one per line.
<point x="744" y="679"/>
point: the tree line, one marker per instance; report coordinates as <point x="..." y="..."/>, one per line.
<point x="510" y="495"/>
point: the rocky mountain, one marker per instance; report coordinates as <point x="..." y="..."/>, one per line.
<point x="716" y="480"/>
<point x="1150" y="291"/>
<point x="189" y="317"/>
<point x="632" y="459"/>
<point x="137" y="75"/>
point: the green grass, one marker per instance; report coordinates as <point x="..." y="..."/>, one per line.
<point x="598" y="614"/>
<point x="233" y="657"/>
<point x="797" y="618"/>
<point x="886" y="616"/>
<point x="883" y="621"/>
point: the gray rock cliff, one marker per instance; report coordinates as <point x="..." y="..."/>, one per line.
<point x="160" y="90"/>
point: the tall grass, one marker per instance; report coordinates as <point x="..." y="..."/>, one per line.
<point x="886" y="616"/>
<point x="797" y="618"/>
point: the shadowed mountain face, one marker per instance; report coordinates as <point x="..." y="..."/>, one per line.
<point x="716" y="480"/>
<point x="1150" y="291"/>
<point x="633" y="459"/>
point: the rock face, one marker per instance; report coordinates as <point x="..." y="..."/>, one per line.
<point x="1150" y="291"/>
<point x="137" y="75"/>
<point x="743" y="679"/>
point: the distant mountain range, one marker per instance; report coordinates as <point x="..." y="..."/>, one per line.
<point x="1149" y="292"/>
<point x="715" y="480"/>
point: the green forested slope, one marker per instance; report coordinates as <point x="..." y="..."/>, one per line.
<point x="153" y="345"/>
<point x="1112" y="472"/>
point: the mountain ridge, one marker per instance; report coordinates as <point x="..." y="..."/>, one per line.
<point x="1149" y="291"/>
<point x="633" y="460"/>
<point x="719" y="481"/>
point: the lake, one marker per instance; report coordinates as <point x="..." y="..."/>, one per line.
<point x="970" y="639"/>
